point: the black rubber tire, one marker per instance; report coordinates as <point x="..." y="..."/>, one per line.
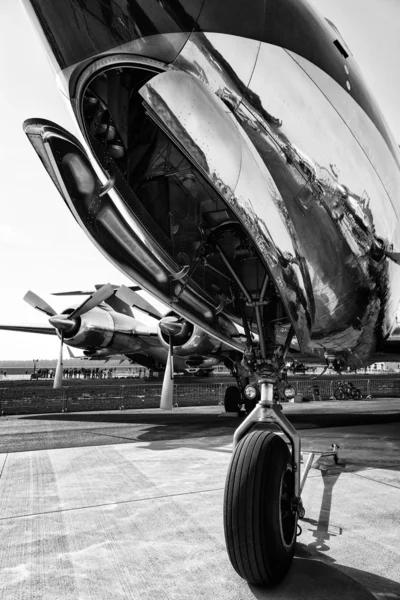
<point x="356" y="394"/>
<point x="250" y="405"/>
<point x="260" y="527"/>
<point x="339" y="394"/>
<point x="232" y="399"/>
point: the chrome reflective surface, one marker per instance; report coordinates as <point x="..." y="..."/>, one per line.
<point x="96" y="330"/>
<point x="336" y="199"/>
<point x="117" y="233"/>
<point x="330" y="210"/>
<point x="258" y="150"/>
<point x="340" y="184"/>
<point x="202" y="125"/>
<point x="209" y="57"/>
<point x="85" y="28"/>
<point x="195" y="341"/>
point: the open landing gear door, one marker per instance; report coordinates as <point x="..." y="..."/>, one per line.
<point x="206" y="131"/>
<point x="66" y="162"/>
<point x="111" y="229"/>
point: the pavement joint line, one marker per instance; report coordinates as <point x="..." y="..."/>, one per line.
<point x="62" y="510"/>
<point x="118" y="437"/>
<point x="137" y="441"/>
<point x="397" y="487"/>
<point x="4" y="464"/>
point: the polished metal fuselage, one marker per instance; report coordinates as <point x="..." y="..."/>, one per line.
<point x="269" y="106"/>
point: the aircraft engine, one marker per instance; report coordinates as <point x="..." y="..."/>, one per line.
<point x="187" y="339"/>
<point x="93" y="329"/>
<point x="97" y="328"/>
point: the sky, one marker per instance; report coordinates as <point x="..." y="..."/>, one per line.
<point x="41" y="246"/>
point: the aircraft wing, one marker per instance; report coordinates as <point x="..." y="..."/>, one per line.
<point x="30" y="329"/>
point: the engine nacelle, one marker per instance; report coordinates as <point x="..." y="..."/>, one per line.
<point x="93" y="329"/>
<point x="109" y="332"/>
<point x="191" y="340"/>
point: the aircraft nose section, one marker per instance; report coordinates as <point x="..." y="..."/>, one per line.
<point x="62" y="323"/>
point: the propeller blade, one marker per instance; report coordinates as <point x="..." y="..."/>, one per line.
<point x="38" y="303"/>
<point x="167" y="392"/>
<point x="134" y="288"/>
<point x="94" y="300"/>
<point x="86" y="293"/>
<point x="74" y="293"/>
<point x="130" y="297"/>
<point x="71" y="354"/>
<point x="59" y="369"/>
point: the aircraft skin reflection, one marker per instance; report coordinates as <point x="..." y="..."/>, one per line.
<point x="338" y="196"/>
<point x="247" y="178"/>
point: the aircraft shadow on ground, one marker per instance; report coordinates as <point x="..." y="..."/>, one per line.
<point x="313" y="579"/>
<point x="310" y="420"/>
<point x="158" y="427"/>
<point x="316" y="575"/>
<point x="323" y="530"/>
<point x="134" y="417"/>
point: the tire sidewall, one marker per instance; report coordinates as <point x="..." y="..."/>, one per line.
<point x="279" y="551"/>
<point x="232" y="399"/>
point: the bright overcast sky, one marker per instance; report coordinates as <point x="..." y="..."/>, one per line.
<point x="41" y="246"/>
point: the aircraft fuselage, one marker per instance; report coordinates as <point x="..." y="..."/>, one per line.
<point x="251" y="123"/>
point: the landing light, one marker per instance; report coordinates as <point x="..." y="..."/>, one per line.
<point x="289" y="392"/>
<point x="250" y="391"/>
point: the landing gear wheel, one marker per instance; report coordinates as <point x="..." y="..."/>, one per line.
<point x="260" y="525"/>
<point x="249" y="406"/>
<point x="232" y="399"/>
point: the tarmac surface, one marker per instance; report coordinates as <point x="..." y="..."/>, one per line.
<point x="121" y="505"/>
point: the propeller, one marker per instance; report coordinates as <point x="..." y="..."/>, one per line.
<point x="66" y="323"/>
<point x="173" y="328"/>
<point x="130" y="297"/>
<point x="59" y="369"/>
<point x="38" y="303"/>
<point x="167" y="392"/>
<point x="94" y="300"/>
<point x="71" y="354"/>
<point x="89" y="293"/>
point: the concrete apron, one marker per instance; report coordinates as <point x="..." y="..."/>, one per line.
<point x="144" y="521"/>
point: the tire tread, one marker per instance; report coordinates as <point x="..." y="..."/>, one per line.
<point x="259" y="455"/>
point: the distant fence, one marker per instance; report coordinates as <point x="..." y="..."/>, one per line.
<point x="378" y="388"/>
<point x="44" y="399"/>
